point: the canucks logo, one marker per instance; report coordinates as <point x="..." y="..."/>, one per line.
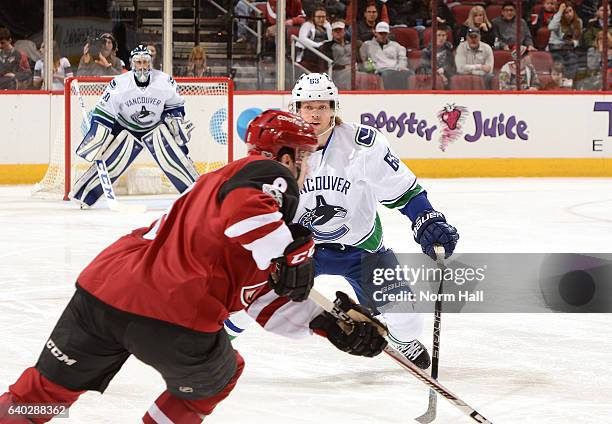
<point x="141" y="117"/>
<point x="321" y="215"/>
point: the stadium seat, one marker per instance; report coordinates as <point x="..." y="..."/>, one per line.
<point x="493" y="11"/>
<point x="414" y="58"/>
<point x="542" y="61"/>
<point x="500" y="58"/>
<point x="494" y="83"/>
<point x="368" y="81"/>
<point x="407" y="37"/>
<point x="461" y="13"/>
<point x="541" y="38"/>
<point x="427" y="36"/>
<point x="467" y="82"/>
<point x="423" y="82"/>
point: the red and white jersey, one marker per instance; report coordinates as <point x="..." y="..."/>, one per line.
<point x="209" y="255"/>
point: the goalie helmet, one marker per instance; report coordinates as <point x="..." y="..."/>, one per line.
<point x="272" y="130"/>
<point x="314" y="87"/>
<point x="141" y="53"/>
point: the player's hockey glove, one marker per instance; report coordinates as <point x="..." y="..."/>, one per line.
<point x="179" y="128"/>
<point x="363" y="338"/>
<point x="293" y="273"/>
<point x="429" y="228"/>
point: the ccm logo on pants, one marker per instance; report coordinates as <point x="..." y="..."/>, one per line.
<point x="59" y="354"/>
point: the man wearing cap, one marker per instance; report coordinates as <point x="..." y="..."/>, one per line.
<point x="528" y="76"/>
<point x="504" y="29"/>
<point x="473" y="57"/>
<point x="389" y="58"/>
<point x="340" y="51"/>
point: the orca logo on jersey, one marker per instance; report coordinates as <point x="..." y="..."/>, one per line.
<point x="321" y="214"/>
<point x="139" y="116"/>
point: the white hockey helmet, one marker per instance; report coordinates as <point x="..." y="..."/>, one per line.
<point x="141" y="53"/>
<point x="314" y="87"/>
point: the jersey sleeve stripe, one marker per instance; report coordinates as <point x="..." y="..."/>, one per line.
<point x="260" y="303"/>
<point x="270" y="246"/>
<point x="293" y="319"/>
<point x="267" y="312"/>
<point x="250" y="224"/>
<point x="158" y="416"/>
<point x="403" y="200"/>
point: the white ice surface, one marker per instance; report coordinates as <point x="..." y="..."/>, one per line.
<point x="513" y="368"/>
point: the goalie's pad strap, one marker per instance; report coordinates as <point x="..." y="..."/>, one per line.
<point x="171" y="159"/>
<point x="97" y="135"/>
<point x="118" y="155"/>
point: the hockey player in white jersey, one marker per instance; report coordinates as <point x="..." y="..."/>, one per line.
<point x="352" y="172"/>
<point x="141" y="108"/>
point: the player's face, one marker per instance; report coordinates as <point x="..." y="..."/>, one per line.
<point x="318" y="113"/>
<point x="141" y="63"/>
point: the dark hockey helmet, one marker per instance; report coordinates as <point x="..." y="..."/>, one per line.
<point x="272" y="130"/>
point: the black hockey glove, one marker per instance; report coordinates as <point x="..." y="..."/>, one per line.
<point x="363" y="338"/>
<point x="429" y="228"/>
<point x="293" y="275"/>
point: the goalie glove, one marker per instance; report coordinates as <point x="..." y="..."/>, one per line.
<point x="430" y="228"/>
<point x="365" y="337"/>
<point x="293" y="273"/>
<point x="179" y="128"/>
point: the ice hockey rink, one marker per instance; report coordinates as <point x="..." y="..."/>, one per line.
<point x="513" y="368"/>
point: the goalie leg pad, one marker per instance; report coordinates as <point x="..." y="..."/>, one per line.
<point x="170" y="157"/>
<point x="119" y="154"/>
<point x="98" y="135"/>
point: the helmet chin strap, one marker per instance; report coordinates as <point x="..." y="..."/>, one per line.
<point x="331" y="126"/>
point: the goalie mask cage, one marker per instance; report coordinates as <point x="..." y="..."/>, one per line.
<point x="208" y="104"/>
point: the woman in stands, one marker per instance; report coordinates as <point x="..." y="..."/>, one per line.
<point x="315" y="32"/>
<point x="477" y="18"/>
<point x="565" y="32"/>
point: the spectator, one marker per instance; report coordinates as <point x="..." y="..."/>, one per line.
<point x="367" y="25"/>
<point x="545" y="15"/>
<point x="314" y="33"/>
<point x="28" y="47"/>
<point x="99" y="57"/>
<point x="593" y="81"/>
<point x="196" y="63"/>
<point x="588" y="9"/>
<point x="340" y="51"/>
<point x="293" y="12"/>
<point x="421" y="14"/>
<point x="61" y="69"/>
<point x="557" y="81"/>
<point x="565" y="32"/>
<point x="593" y="27"/>
<point x="336" y="9"/>
<point x="399" y="12"/>
<point x="477" y="18"/>
<point x="156" y="60"/>
<point x="528" y="76"/>
<point x="15" y="73"/>
<point x="504" y="29"/>
<point x="242" y="9"/>
<point x="388" y="58"/>
<point x="445" y="60"/>
<point x="474" y="57"/>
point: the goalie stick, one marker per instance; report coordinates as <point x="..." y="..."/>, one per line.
<point x="348" y="318"/>
<point x="431" y="412"/>
<point x="103" y="176"/>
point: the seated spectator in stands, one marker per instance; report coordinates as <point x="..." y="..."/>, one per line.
<point x="15" y="73"/>
<point x="61" y="69"/>
<point x="504" y="29"/>
<point x="474" y="57"/>
<point x="565" y="32"/>
<point x="593" y="81"/>
<point x="294" y="16"/>
<point x="340" y="51"/>
<point x="444" y="57"/>
<point x="593" y="27"/>
<point x="587" y="9"/>
<point x="314" y="33"/>
<point x="420" y="14"/>
<point x="99" y="57"/>
<point x="399" y="12"/>
<point x="196" y="63"/>
<point x="557" y="81"/>
<point x="242" y="9"/>
<point x="388" y="58"/>
<point x="156" y="60"/>
<point x="336" y="9"/>
<point x="545" y="15"/>
<point x="477" y="18"/>
<point x="28" y="47"/>
<point x="367" y="25"/>
<point x="528" y="76"/>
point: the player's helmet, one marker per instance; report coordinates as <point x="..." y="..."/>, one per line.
<point x="142" y="54"/>
<point x="314" y="87"/>
<point x="272" y="130"/>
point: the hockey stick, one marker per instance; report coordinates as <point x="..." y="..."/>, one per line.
<point x="346" y="318"/>
<point x="103" y="176"/>
<point x="430" y="414"/>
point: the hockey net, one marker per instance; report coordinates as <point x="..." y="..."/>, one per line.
<point x="208" y="104"/>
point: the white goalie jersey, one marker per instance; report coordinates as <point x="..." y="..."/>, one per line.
<point x="138" y="109"/>
<point x="346" y="180"/>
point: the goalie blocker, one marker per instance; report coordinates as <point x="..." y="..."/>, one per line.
<point x="119" y="152"/>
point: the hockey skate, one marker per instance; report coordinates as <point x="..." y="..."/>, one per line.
<point x="414" y="351"/>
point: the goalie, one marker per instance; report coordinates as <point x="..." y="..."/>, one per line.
<point x="141" y="108"/>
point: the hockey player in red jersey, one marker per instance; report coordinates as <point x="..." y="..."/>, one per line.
<point x="162" y="292"/>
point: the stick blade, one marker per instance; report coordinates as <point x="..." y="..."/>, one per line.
<point x="429" y="415"/>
